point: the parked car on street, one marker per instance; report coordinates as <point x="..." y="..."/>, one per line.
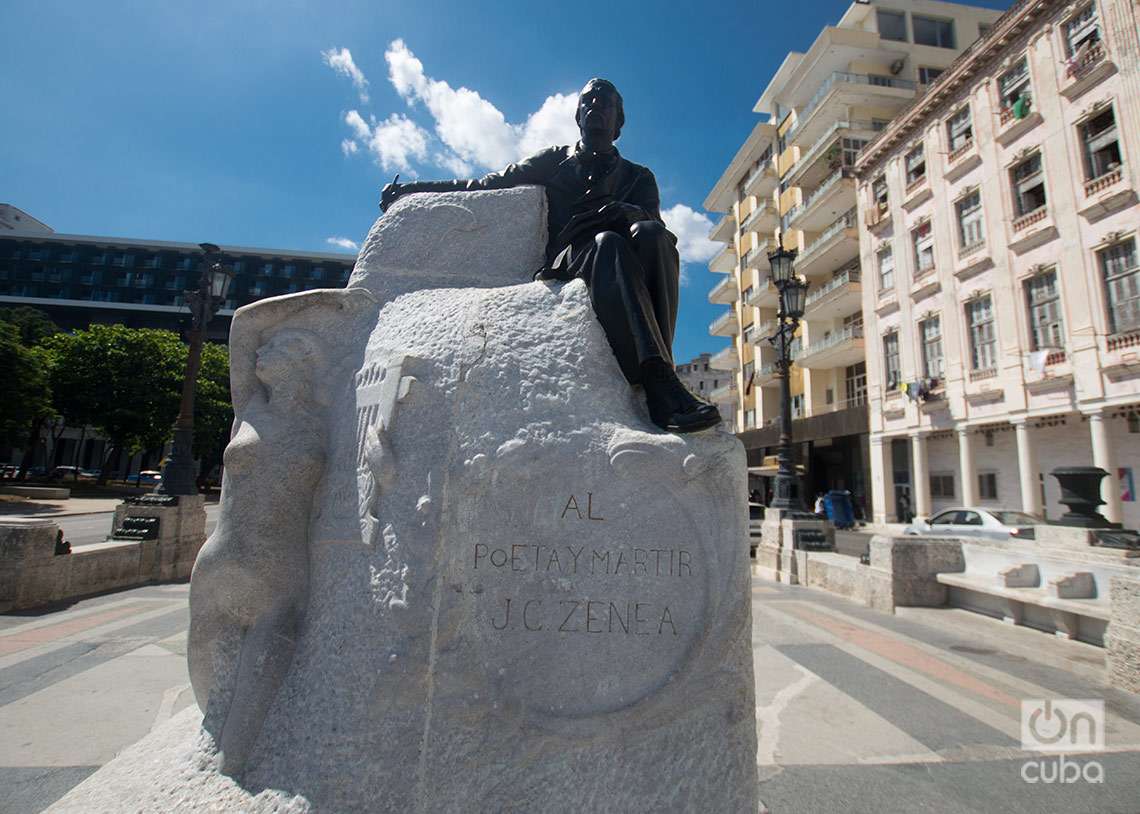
<point x="974" y="521"/>
<point x="70" y="472"/>
<point x="148" y="477"/>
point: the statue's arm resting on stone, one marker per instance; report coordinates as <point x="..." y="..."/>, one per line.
<point x="532" y="170"/>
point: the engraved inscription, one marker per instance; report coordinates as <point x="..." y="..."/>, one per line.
<point x="623" y="616"/>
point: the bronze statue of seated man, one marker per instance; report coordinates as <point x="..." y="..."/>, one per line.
<point x="605" y="226"/>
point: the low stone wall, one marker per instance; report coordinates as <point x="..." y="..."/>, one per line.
<point x="33" y="575"/>
<point x="1122" y="640"/>
<point x="37" y="492"/>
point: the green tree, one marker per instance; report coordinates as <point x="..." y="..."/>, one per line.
<point x="27" y="394"/>
<point x="34" y="325"/>
<point x="213" y="412"/>
<point x="124" y="382"/>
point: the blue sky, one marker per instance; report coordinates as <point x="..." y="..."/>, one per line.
<point x="233" y="121"/>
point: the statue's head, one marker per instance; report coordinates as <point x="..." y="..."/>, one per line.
<point x="600" y="110"/>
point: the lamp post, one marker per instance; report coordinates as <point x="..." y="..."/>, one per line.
<point x="213" y="283"/>
<point x="793" y="293"/>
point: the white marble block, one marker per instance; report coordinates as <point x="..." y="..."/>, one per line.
<point x="521" y="594"/>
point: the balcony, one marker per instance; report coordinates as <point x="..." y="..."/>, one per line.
<point x="838" y="297"/>
<point x="764" y="295"/>
<point x="763" y="179"/>
<point x="836" y="245"/>
<point x="725" y="261"/>
<point x="767" y="375"/>
<point x="848" y="89"/>
<point x="727" y="359"/>
<point x="763" y="220"/>
<point x="810" y="159"/>
<point x="825" y="203"/>
<point x="725" y="292"/>
<point x="726" y="393"/>
<point x="724" y="229"/>
<point x="837" y="349"/>
<point x="726" y="324"/>
<point x="1106" y="193"/>
<point x="757" y="258"/>
<point x="1086" y="69"/>
<point x="961" y="160"/>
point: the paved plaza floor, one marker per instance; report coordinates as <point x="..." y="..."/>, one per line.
<point x="858" y="711"/>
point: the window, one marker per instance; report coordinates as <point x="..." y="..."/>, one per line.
<point x="931" y="332"/>
<point x="316" y="273"/>
<point x="968" y="519"/>
<point x="1014" y="90"/>
<point x="987" y="487"/>
<point x="185" y="264"/>
<point x="1101" y="145"/>
<point x="99" y="259"/>
<point x="971" y="231"/>
<point x="915" y="166"/>
<point x="238" y="265"/>
<point x="267" y="269"/>
<point x="855" y="384"/>
<point x="1122" y="282"/>
<point x="942" y="486"/>
<point x="152" y="262"/>
<point x="67" y="256"/>
<point x="851" y="148"/>
<point x="926" y="75"/>
<point x="1046" y="326"/>
<point x="1028" y="185"/>
<point x="892" y="25"/>
<point x="124" y="260"/>
<point x="959" y="129"/>
<point x="983" y="341"/>
<point x="746" y="294"/>
<point x="289" y="271"/>
<point x="798" y="405"/>
<point x="886" y="269"/>
<point x="879" y="194"/>
<point x="891" y="365"/>
<point x="923" y="239"/>
<point x="748" y="335"/>
<point x="750" y="418"/>
<point x="932" y="31"/>
<point x="1082" y="30"/>
<point x="944" y="519"/>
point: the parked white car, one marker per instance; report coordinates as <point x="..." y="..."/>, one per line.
<point x="974" y="521"/>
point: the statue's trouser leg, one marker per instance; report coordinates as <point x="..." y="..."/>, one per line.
<point x="661" y="265"/>
<point x="621" y="295"/>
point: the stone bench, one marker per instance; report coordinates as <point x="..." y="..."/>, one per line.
<point x="1065" y="596"/>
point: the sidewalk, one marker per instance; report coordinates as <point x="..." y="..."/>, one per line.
<point x="24" y="508"/>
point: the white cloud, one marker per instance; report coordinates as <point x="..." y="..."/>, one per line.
<point x="341" y="62"/>
<point x="692" y="231"/>
<point x="395" y="143"/>
<point x="349" y="147"/>
<point x="360" y="128"/>
<point x="474" y="130"/>
<point x="449" y="161"/>
<point x="342" y="243"/>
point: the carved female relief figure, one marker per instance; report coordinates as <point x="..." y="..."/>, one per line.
<point x="252" y="576"/>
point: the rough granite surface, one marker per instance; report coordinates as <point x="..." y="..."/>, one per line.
<point x="523" y="595"/>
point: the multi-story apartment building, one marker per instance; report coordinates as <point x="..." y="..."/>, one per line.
<point x="1001" y="294"/>
<point x="81" y="279"/>
<point x="793" y="178"/>
<point x="78" y="280"/>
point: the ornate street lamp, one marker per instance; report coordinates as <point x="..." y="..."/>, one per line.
<point x="213" y="283"/>
<point x="793" y="296"/>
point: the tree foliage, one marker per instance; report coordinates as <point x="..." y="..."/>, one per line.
<point x="33" y="324"/>
<point x="213" y="413"/>
<point x="27" y="395"/>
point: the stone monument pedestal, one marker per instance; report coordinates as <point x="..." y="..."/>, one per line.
<point x="489" y="584"/>
<point x="170" y="528"/>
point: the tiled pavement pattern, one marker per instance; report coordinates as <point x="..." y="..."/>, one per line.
<point x="857" y="711"/>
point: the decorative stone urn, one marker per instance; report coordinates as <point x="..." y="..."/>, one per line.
<point x="1080" y="491"/>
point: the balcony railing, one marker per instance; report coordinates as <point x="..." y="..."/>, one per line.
<point x="723" y="322"/>
<point x="758" y="253"/>
<point x="765" y="207"/>
<point x="836" y="282"/>
<point x="765" y="167"/>
<point x="723" y="289"/>
<point x="960" y="151"/>
<point x="828" y="138"/>
<point x="1080" y="65"/>
<point x="1030" y="218"/>
<point x="843" y="77"/>
<point x="851" y="332"/>
<point x="827" y="184"/>
<point x="848" y="220"/>
<point x="1104" y="181"/>
<point x="764" y="288"/>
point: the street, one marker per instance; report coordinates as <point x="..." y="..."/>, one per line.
<point x="857" y="711"/>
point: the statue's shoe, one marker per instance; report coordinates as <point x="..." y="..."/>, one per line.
<point x="701" y="417"/>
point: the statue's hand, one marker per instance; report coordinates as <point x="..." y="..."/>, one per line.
<point x="391" y="193"/>
<point x="631" y="213"/>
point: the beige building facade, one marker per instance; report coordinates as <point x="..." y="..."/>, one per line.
<point x="793" y="179"/>
<point x="1001" y="285"/>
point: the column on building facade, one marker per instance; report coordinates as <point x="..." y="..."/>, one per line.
<point x="1104" y="456"/>
<point x="882" y="481"/>
<point x="1027" y="470"/>
<point x="967" y="468"/>
<point x="920" y="475"/>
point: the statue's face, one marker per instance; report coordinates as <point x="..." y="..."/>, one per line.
<point x="274" y="360"/>
<point x="597" y="112"/>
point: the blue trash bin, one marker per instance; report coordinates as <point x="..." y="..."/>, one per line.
<point x="840" y="511"/>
